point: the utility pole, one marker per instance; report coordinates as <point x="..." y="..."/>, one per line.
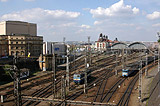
<point x="67" y="69"/>
<point x="17" y="84"/>
<point x="89" y="51"/>
<point x="63" y="90"/>
<point x="85" y="79"/>
<point x="123" y="59"/>
<point x="146" y="70"/>
<point x="116" y="73"/>
<point x="158" y="58"/>
<point x="158" y="33"/>
<point x="54" y="76"/>
<point x="140" y="80"/>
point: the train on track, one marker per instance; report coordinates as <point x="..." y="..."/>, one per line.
<point x="136" y="65"/>
<point x="79" y="77"/>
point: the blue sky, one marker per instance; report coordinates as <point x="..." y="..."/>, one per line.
<point x="128" y="20"/>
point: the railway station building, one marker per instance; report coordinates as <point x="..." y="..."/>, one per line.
<point x="104" y="43"/>
<point x="20" y="38"/>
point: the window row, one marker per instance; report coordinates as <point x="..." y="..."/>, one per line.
<point x="17" y="47"/>
<point x="17" y="43"/>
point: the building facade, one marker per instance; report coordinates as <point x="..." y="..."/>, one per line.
<point x="18" y="28"/>
<point x="104" y="43"/>
<point x="20" y="43"/>
<point x="54" y="47"/>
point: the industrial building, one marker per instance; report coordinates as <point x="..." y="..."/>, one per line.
<point x="20" y="38"/>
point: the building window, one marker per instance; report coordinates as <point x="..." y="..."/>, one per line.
<point x="16" y="47"/>
<point x="11" y="47"/>
<point x="16" y="42"/>
<point x="97" y="45"/>
<point x="11" y="42"/>
<point x="22" y="53"/>
<point x="21" y="47"/>
<point x="12" y="53"/>
<point x="16" y="38"/>
<point x="17" y="52"/>
<point x="21" y="42"/>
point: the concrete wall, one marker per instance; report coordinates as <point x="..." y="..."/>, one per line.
<point x="154" y="98"/>
<point x="2" y="28"/>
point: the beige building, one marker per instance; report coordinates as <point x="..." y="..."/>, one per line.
<point x="22" y="41"/>
<point x="18" y="28"/>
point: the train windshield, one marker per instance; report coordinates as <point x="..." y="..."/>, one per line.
<point x="76" y="75"/>
<point x="125" y="70"/>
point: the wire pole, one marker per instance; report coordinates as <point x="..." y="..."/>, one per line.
<point x="158" y="58"/>
<point x="140" y="80"/>
<point x="116" y="73"/>
<point x="123" y="59"/>
<point x="54" y="76"/>
<point x="146" y="70"/>
<point x="63" y="90"/>
<point x="67" y="70"/>
<point x="86" y="69"/>
<point x="89" y="51"/>
<point x="17" y="84"/>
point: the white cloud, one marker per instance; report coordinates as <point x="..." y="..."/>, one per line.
<point x="40" y="14"/>
<point x="154" y="15"/>
<point x="85" y="26"/>
<point x="135" y="10"/>
<point x="117" y="9"/>
<point x="156" y="25"/>
<point x="53" y="24"/>
<point x="97" y="22"/>
<point x="3" y="0"/>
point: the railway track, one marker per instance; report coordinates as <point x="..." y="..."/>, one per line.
<point x="126" y="96"/>
<point x="44" y="92"/>
<point x="101" y="88"/>
<point x="99" y="80"/>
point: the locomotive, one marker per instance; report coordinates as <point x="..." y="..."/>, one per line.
<point x="79" y="77"/>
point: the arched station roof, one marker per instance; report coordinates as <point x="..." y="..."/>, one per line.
<point x="137" y="45"/>
<point x="119" y="45"/>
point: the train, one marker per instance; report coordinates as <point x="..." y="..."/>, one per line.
<point x="135" y="66"/>
<point x="79" y="77"/>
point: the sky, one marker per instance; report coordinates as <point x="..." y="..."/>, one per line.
<point x="127" y="20"/>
